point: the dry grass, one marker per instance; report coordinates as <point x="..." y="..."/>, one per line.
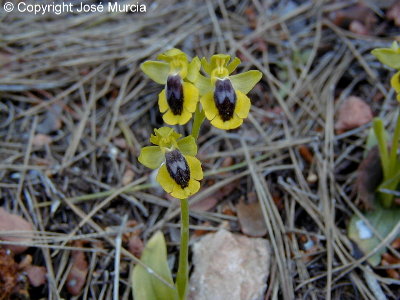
<point x="83" y="71"/>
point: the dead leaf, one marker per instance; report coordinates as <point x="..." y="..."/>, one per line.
<point x="306" y="153"/>
<point x="310" y="245"/>
<point x="358" y="28"/>
<point x="393" y="13"/>
<point x="201" y="232"/>
<point x="135" y="245"/>
<point x="51" y="121"/>
<point x="25" y="262"/>
<point x="251" y="16"/>
<point x="127" y="177"/>
<point x="359" y="12"/>
<point x="8" y="274"/>
<point x="77" y="276"/>
<point x="205" y="204"/>
<point x="40" y="139"/>
<point x="132" y="239"/>
<point x="120" y="143"/>
<point x="36" y="275"/>
<point x="352" y="113"/>
<point x="209" y="202"/>
<point x="251" y="219"/>
<point x="388" y="259"/>
<point x="369" y="176"/>
<point x="10" y="222"/>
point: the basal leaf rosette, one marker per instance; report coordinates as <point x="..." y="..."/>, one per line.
<point x="178" y="100"/>
<point x="179" y="171"/>
<point x="224" y="98"/>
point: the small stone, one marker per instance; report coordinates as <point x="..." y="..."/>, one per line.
<point x="229" y="266"/>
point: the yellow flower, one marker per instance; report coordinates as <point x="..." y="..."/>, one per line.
<point x="224" y="97"/>
<point x="179" y="171"/>
<point x="389" y="56"/>
<point x="178" y="100"/>
<point x="395" y="82"/>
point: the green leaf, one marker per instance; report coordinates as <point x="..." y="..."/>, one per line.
<point x="146" y="286"/>
<point x="188" y="146"/>
<point x="244" y="82"/>
<point x="388" y="56"/>
<point x="156" y="70"/>
<point x="203" y="84"/>
<point x="233" y="65"/>
<point x="206" y="66"/>
<point x="372" y="140"/>
<point x="383" y="220"/>
<point x="193" y="69"/>
<point x="151" y="157"/>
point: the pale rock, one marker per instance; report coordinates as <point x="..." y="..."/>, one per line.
<point x="229" y="266"/>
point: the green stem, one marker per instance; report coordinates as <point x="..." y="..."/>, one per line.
<point x="395" y="146"/>
<point x="388" y="160"/>
<point x="198" y="120"/>
<point x="182" y="276"/>
<point x="383" y="151"/>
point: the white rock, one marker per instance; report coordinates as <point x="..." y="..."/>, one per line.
<point x="229" y="266"/>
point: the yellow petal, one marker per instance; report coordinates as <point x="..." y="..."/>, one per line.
<point x="170" y="118"/>
<point x="181" y="119"/>
<point x="233" y="123"/>
<point x="165" y="180"/>
<point x="242" y="105"/>
<point x="162" y="102"/>
<point x="395" y="82"/>
<point x="188" y="191"/>
<point x="190" y="96"/>
<point x="210" y="110"/>
<point x="178" y="192"/>
<point x="196" y="171"/>
<point x="193" y="187"/>
<point x="184" y="117"/>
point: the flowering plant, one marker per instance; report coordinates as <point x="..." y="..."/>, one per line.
<point x="383" y="219"/>
<point x="224" y="102"/>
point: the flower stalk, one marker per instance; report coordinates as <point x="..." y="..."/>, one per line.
<point x="199" y="117"/>
<point x="182" y="277"/>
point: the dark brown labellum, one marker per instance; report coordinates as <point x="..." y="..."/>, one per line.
<point x="178" y="168"/>
<point x="174" y="94"/>
<point x="225" y="99"/>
